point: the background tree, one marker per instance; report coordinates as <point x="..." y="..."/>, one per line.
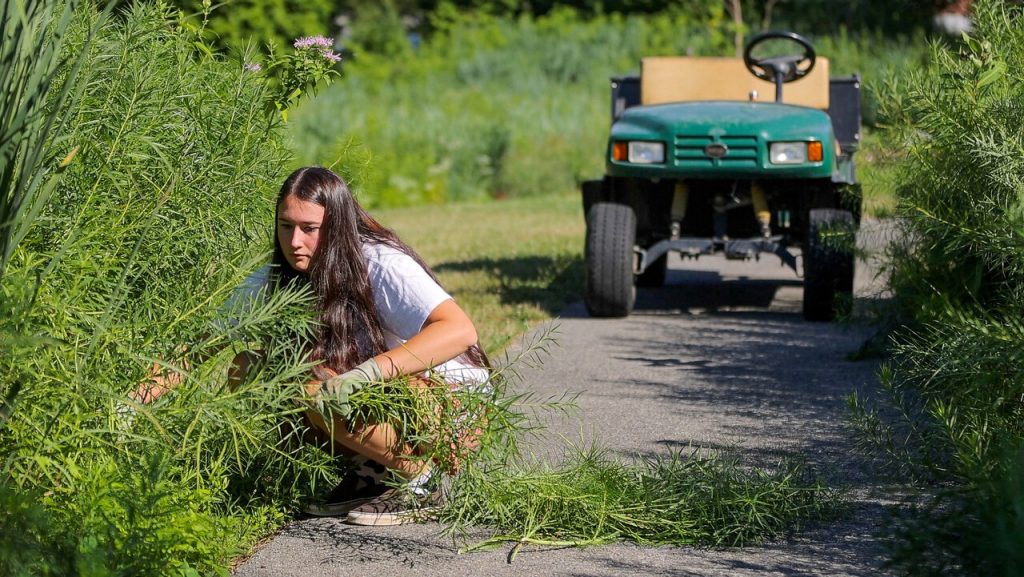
<point x="238" y="23"/>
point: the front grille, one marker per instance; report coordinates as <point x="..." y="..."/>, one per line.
<point x="741" y="153"/>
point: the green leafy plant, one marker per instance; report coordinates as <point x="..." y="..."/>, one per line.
<point x="300" y="71"/>
<point x="949" y="407"/>
<point x="37" y="90"/>
<point x="34" y="34"/>
<point x="958" y="276"/>
<point x="162" y="213"/>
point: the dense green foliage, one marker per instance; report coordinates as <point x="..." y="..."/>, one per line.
<point x="32" y="59"/>
<point x="35" y="65"/>
<point x="243" y="23"/>
<point x="158" y="217"/>
<point x="276" y="21"/>
<point x="818" y="15"/>
<point x="955" y="381"/>
<point x="492" y="106"/>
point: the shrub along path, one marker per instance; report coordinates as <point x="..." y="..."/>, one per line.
<point x="720" y="357"/>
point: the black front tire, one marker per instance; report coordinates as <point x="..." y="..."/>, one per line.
<point x="828" y="268"/>
<point x="611" y="235"/>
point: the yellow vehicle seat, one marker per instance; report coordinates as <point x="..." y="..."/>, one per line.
<point x="666" y="79"/>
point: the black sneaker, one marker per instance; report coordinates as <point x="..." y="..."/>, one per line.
<point x="396" y="507"/>
<point x="352" y="491"/>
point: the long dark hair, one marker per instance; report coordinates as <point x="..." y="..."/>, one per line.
<point x="350" y="331"/>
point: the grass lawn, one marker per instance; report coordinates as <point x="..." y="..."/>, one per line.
<point x="511" y="264"/>
<point x="878" y="164"/>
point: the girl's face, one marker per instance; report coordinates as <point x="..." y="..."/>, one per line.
<point x="298" y="230"/>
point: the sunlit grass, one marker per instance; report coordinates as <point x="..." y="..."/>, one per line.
<point x="511" y="264"/>
<point x="877" y="170"/>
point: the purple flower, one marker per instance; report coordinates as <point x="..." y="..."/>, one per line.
<point x="311" y="41"/>
<point x="332" y="56"/>
<point x="252" y="67"/>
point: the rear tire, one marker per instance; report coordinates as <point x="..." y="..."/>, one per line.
<point x="611" y="234"/>
<point x="828" y="269"/>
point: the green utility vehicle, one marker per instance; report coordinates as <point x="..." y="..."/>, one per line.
<point x="699" y="162"/>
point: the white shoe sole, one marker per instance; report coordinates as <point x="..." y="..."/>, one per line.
<point x="339" y="509"/>
<point x="391" y="518"/>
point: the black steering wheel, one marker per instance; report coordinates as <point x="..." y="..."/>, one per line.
<point x="779" y="69"/>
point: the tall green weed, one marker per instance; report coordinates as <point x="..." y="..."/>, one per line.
<point x="951" y="396"/>
<point x="163" y="211"/>
<point x="34" y="35"/>
<point x="36" y="91"/>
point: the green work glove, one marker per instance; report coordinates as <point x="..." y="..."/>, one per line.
<point x="336" y="390"/>
<point x="124" y="418"/>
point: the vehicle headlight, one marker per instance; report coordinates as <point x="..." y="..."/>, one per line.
<point x="639" y="152"/>
<point x="788" y="152"/>
<point x="647" y="152"/>
<point x="796" y="152"/>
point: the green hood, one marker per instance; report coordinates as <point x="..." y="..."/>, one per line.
<point x="745" y="128"/>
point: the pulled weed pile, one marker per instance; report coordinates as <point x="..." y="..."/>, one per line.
<point x="594" y="498"/>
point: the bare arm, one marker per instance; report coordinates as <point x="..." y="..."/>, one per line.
<point x="446" y="334"/>
<point x="160" y="379"/>
<point x="156" y="383"/>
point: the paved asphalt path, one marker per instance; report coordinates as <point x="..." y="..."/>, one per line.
<point x="719" y="357"/>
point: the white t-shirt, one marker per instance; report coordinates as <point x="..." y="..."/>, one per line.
<point x="404" y="295"/>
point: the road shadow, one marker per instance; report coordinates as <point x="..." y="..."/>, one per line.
<point x="687" y="291"/>
<point x="339" y="545"/>
<point x="758" y="371"/>
<point x="705" y="290"/>
<point x="725" y="344"/>
<point x="857" y="557"/>
<point x="549" y="283"/>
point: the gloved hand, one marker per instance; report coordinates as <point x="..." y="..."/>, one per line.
<point x="337" y="390"/>
<point x="124" y="418"/>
